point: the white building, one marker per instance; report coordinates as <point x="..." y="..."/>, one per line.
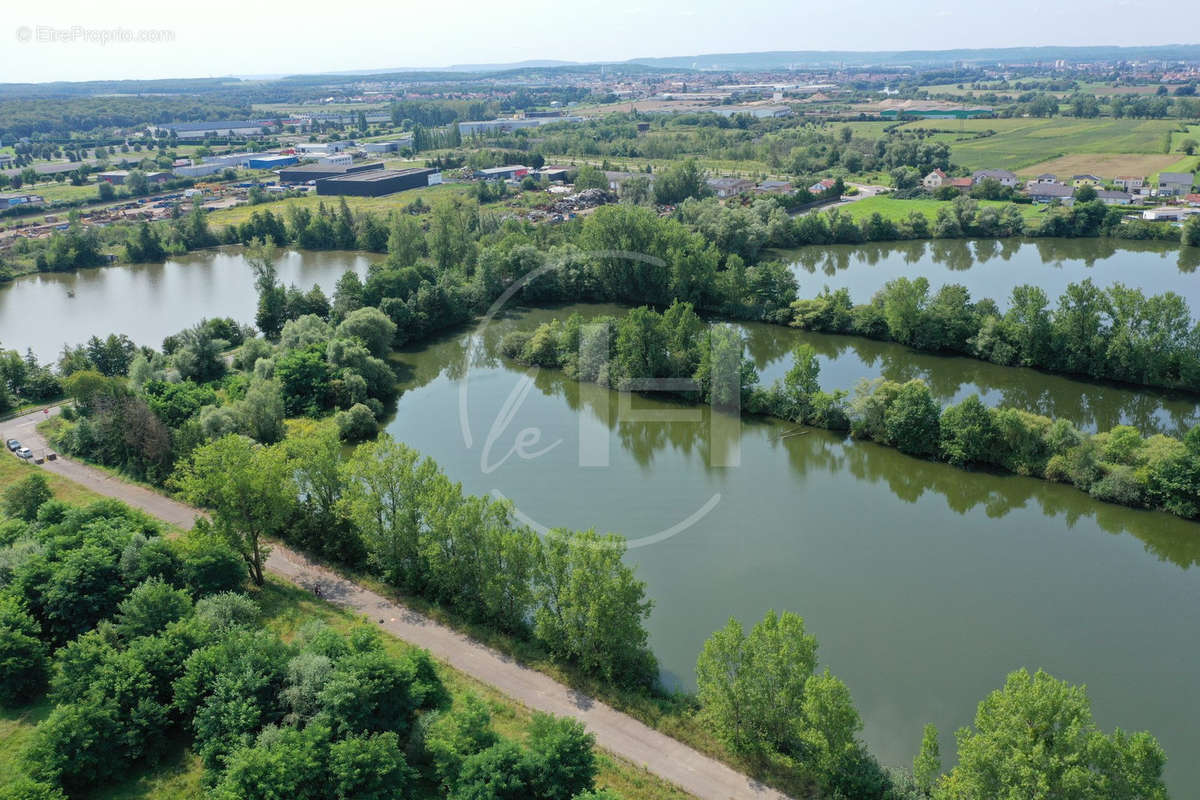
<point x="336" y="159"/>
<point x="934" y="179"/>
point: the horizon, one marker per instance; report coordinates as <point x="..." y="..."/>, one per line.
<point x="230" y="40"/>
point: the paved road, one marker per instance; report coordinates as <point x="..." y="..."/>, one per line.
<point x="616" y="732"/>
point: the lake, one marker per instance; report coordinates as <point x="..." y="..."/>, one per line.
<point x="990" y="268"/>
<point x="147" y="302"/>
<point x="924" y="584"/>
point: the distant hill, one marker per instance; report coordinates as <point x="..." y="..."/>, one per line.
<point x="785" y="59"/>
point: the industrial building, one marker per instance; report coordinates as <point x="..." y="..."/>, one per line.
<point x="477" y="128"/>
<point x="270" y="161"/>
<point x="378" y="183"/>
<point x="507" y="173"/>
<point x="389" y="146"/>
<point x="231" y="127"/>
<point x="117" y="177"/>
<point x="199" y="170"/>
<point x="316" y="172"/>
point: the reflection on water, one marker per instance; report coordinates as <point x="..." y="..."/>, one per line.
<point x="990" y="268"/>
<point x="148" y="302"/>
<point x="925" y="584"/>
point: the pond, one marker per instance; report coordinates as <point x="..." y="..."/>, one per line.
<point x="990" y="268"/>
<point x="147" y="302"/>
<point x="924" y="584"/>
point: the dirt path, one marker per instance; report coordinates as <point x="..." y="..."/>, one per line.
<point x="616" y="732"/>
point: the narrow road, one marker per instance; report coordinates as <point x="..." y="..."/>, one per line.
<point x="618" y="733"/>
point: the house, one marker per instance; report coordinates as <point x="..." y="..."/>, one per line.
<point x="731" y="187"/>
<point x="1171" y="184"/>
<point x="1113" y="198"/>
<point x="774" y="187"/>
<point x="934" y="179"/>
<point x="7" y="159"/>
<point x="1047" y="178"/>
<point x="821" y="186"/>
<point x="1129" y="183"/>
<point x="962" y="184"/>
<point x="1167" y="214"/>
<point x="1003" y="176"/>
<point x="1049" y="192"/>
<point x="1086" y="180"/>
<point x="1193" y="200"/>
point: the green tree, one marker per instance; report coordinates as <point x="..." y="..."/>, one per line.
<point x="912" y="420"/>
<point x="406" y="241"/>
<point x="249" y="489"/>
<point x="1036" y="738"/>
<point x="589" y="177"/>
<point x="150" y="607"/>
<point x="927" y="766"/>
<point x="591" y="608"/>
<point x="23" y="498"/>
<point x="272" y="297"/>
<point x="563" y="756"/>
<point x="1190" y="235"/>
<point x="369" y="768"/>
<point x="370" y="326"/>
<point x="968" y="433"/>
<point x="23" y="663"/>
<point x="678" y="182"/>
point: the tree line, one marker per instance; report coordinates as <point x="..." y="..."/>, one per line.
<point x="140" y="642"/>
<point x="1119" y="465"/>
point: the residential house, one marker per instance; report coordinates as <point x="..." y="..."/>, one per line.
<point x="935" y="179"/>
<point x="731" y="187"/>
<point x="1049" y="192"/>
<point x="821" y="186"/>
<point x="1167" y="214"/>
<point x="1129" y="183"/>
<point x="7" y="159"/>
<point x="1114" y="198"/>
<point x="1086" y="180"/>
<point x="962" y="184"/>
<point x="774" y="187"/>
<point x="1171" y="184"/>
<point x="1003" y="176"/>
<point x="1193" y="200"/>
<point x="1047" y="178"/>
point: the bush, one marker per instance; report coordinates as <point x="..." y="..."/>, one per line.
<point x="356" y="424"/>
<point x="23" y="499"/>
<point x="22" y="654"/>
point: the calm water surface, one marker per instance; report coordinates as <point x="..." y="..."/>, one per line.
<point x="150" y="301"/>
<point x="992" y="267"/>
<point x="925" y="585"/>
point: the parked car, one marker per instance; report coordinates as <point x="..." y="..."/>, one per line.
<point x="13" y="444"/>
<point x="24" y="452"/>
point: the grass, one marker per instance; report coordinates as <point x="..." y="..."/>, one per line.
<point x="1020" y="143"/>
<point x="13" y="469"/>
<point x="240" y="214"/>
<point x="896" y="210"/>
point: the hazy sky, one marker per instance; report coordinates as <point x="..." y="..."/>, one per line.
<point x="223" y="37"/>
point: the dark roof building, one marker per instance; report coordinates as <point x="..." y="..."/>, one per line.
<point x="377" y="183"/>
<point x="1049" y="192"/>
<point x="316" y="172"/>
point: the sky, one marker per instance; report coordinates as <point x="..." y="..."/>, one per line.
<point x="87" y="40"/>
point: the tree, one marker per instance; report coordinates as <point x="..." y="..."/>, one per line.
<point x="23" y="663"/>
<point x="563" y="756"/>
<point x="370" y="326"/>
<point x="591" y="608"/>
<point x="23" y="498"/>
<point x="678" y="182"/>
<point x="369" y="768"/>
<point x="150" y="607"/>
<point x="927" y="766"/>
<point x="356" y="424"/>
<point x="106" y="191"/>
<point x="753" y="687"/>
<point x="589" y="177"/>
<point x="968" y="433"/>
<point x="272" y="297"/>
<point x="1036" y="738"/>
<point x="1191" y="231"/>
<point x="406" y="241"/>
<point x="830" y="722"/>
<point x="1189" y="145"/>
<point x="1085" y="194"/>
<point x="912" y="420"/>
<point x="249" y="489"/>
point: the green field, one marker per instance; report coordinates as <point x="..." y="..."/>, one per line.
<point x="896" y="210"/>
<point x="240" y="214"/>
<point x="1022" y="142"/>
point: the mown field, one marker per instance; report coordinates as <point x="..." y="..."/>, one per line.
<point x="240" y="214"/>
<point x="896" y="210"/>
<point x="1022" y="143"/>
<point x="1106" y="165"/>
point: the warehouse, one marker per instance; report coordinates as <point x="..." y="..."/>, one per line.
<point x="270" y="162"/>
<point x="377" y="183"/>
<point x="389" y="146"/>
<point x="316" y="172"/>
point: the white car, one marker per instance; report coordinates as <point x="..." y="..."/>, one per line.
<point x="24" y="452"/>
